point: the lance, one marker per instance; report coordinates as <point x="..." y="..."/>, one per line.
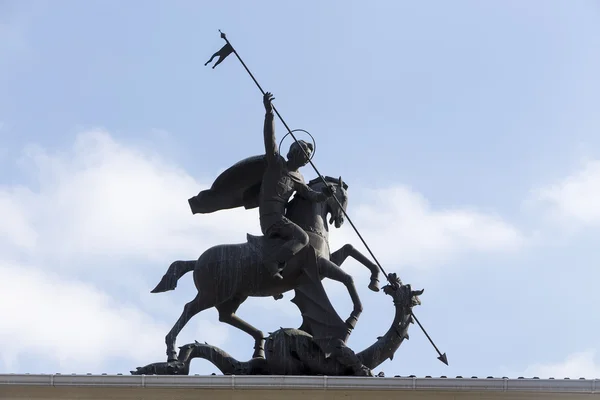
<point x="225" y="51"/>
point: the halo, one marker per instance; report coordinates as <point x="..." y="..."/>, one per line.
<point x="301" y="130"/>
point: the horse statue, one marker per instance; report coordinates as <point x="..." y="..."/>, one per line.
<point x="293" y="352"/>
<point x="226" y="275"/>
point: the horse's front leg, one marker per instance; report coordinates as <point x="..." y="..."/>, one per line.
<point x="328" y="269"/>
<point x="339" y="256"/>
<point x="227" y="314"/>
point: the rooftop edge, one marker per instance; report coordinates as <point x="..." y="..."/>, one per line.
<point x="307" y="382"/>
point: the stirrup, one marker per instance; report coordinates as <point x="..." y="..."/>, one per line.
<point x="277" y="275"/>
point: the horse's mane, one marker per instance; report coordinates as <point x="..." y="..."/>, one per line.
<point x="315" y="184"/>
<point x="318" y="182"/>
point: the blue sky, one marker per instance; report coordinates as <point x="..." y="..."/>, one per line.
<point x="467" y="131"/>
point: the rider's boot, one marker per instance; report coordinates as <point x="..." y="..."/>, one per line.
<point x="274" y="269"/>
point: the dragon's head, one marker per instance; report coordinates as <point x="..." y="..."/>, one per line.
<point x="185" y="351"/>
<point x="403" y="295"/>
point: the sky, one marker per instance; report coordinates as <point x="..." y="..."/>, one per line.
<point x="467" y="131"/>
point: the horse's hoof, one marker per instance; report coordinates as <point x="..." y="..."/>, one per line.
<point x="374" y="283"/>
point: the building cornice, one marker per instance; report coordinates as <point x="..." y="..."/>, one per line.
<point x="306" y="383"/>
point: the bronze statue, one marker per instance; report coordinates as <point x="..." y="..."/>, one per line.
<point x="293" y="351"/>
<point x="292" y="254"/>
<point x="226" y="275"/>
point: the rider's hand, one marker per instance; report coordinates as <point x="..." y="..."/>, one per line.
<point x="267" y="99"/>
<point x="327" y="191"/>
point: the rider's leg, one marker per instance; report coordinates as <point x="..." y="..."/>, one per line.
<point x="297" y="239"/>
<point x="270" y="260"/>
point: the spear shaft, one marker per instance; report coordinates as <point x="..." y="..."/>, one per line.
<point x="307" y="156"/>
<point x="224" y="52"/>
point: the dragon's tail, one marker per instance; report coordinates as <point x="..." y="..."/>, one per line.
<point x="219" y="358"/>
<point x="176" y="270"/>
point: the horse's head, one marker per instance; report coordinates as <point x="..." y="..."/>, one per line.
<point x="340" y="189"/>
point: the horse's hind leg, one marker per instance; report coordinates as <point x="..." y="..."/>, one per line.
<point x="189" y="310"/>
<point x="227" y="314"/>
<point x="328" y="269"/>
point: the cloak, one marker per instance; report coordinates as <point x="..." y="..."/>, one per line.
<point x="237" y="186"/>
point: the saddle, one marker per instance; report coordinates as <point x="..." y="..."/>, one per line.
<point x="262" y="245"/>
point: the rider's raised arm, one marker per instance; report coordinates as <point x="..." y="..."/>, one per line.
<point x="309" y="194"/>
<point x="269" y="129"/>
<point x="270" y="141"/>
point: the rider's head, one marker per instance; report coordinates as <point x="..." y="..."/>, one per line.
<point x="296" y="157"/>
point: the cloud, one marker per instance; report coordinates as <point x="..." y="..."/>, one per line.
<point x="577" y="365"/>
<point x="110" y="200"/>
<point x="72" y="322"/>
<point x="82" y="239"/>
<point x="402" y="228"/>
<point x="104" y="214"/>
<point x="574" y="200"/>
<point x="15" y="231"/>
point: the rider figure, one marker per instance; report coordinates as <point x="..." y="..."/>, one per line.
<point x="280" y="180"/>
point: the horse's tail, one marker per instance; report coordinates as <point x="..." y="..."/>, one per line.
<point x="173" y="274"/>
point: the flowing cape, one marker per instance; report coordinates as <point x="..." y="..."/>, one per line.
<point x="237" y="186"/>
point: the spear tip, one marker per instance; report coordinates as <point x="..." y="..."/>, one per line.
<point x="443" y="358"/>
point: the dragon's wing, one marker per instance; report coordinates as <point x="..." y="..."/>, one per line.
<point x="319" y="318"/>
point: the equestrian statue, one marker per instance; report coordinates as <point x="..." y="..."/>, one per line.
<point x="292" y="254"/>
